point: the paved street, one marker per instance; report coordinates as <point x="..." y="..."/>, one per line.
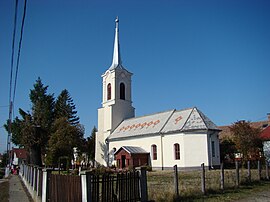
<point x="16" y="190"/>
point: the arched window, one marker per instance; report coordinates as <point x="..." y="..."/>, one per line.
<point x="109" y="91"/>
<point x="122" y="91"/>
<point x="154" y="152"/>
<point x="176" y="151"/>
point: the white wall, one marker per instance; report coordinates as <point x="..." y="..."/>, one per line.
<point x="194" y="149"/>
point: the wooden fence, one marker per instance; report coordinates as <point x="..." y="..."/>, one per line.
<point x="43" y="185"/>
<point x="114" y="187"/>
<point x="64" y="188"/>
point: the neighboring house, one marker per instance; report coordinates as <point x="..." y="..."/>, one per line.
<point x="186" y="138"/>
<point x="265" y="135"/>
<point x="227" y="134"/>
<point x="18" y="156"/>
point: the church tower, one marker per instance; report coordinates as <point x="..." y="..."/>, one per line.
<point x="116" y="100"/>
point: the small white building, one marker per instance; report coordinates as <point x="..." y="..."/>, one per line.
<point x="186" y="138"/>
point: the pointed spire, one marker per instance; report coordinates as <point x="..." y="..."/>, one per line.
<point x="116" y="62"/>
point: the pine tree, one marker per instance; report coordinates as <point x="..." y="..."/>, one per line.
<point x="64" y="107"/>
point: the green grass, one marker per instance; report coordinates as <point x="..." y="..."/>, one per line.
<point x="161" y="184"/>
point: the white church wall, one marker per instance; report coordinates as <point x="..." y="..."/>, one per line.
<point x="121" y="110"/>
<point x="196" y="149"/>
<point x="168" y="150"/>
<point x="213" y="151"/>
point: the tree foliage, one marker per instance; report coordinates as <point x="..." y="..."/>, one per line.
<point x="64" y="107"/>
<point x="247" y="140"/>
<point x="49" y="126"/>
<point x="89" y="144"/>
<point x="227" y="150"/>
<point x="64" y="137"/>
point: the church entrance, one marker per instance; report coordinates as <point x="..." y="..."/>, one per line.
<point x="123" y="161"/>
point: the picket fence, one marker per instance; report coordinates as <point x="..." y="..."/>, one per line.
<point x="43" y="185"/>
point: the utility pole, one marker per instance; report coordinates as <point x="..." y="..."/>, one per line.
<point x="9" y="133"/>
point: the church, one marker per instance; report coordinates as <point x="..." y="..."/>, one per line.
<point x="186" y="138"/>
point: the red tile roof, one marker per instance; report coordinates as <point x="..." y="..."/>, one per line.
<point x="265" y="134"/>
<point x="20" y="153"/>
<point x="226" y="132"/>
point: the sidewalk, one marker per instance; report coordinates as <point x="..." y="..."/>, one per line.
<point x="16" y="190"/>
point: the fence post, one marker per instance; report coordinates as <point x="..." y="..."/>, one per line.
<point x="237" y="173"/>
<point x="34" y="178"/>
<point x="203" y="178"/>
<point x="266" y="170"/>
<point x="45" y="184"/>
<point x="259" y="170"/>
<point x="89" y="184"/>
<point x="249" y="173"/>
<point x="176" y="190"/>
<point x="222" y="176"/>
<point x="37" y="188"/>
<point x="143" y="183"/>
<point x="84" y="186"/>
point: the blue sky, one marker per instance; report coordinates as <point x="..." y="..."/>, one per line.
<point x="211" y="54"/>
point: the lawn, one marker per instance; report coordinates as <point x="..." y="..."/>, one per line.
<point x="161" y="184"/>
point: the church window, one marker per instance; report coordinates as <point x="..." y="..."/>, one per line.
<point x="154" y="152"/>
<point x="109" y="91"/>
<point x="122" y="91"/>
<point x="213" y="149"/>
<point x="176" y="151"/>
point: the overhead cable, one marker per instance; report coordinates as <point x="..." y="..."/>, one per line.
<point x="19" y="51"/>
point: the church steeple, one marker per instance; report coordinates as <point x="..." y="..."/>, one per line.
<point x="116" y="99"/>
<point x="116" y="61"/>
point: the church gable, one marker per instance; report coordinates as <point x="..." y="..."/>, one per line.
<point x="198" y="121"/>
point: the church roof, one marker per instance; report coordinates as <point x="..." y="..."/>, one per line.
<point x="132" y="150"/>
<point x="164" y="122"/>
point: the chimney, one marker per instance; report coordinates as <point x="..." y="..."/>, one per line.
<point x="268" y="116"/>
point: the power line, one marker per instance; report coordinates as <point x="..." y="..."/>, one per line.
<point x="12" y="49"/>
<point x="10" y="82"/>
<point x="12" y="98"/>
<point x="19" y="50"/>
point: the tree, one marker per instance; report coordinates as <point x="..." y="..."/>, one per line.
<point x="33" y="129"/>
<point x="247" y="139"/>
<point x="63" y="139"/>
<point x="64" y="107"/>
<point x="227" y="150"/>
<point x="42" y="119"/>
<point x="89" y="144"/>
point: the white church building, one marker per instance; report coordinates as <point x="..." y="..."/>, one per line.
<point x="186" y="138"/>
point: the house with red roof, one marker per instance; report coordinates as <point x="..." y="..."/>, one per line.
<point x="19" y="156"/>
<point x="265" y="135"/>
